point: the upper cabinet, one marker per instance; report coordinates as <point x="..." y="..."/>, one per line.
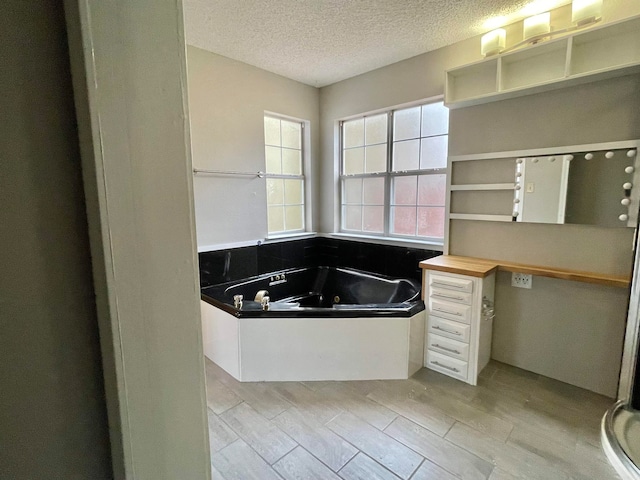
<point x="606" y="51"/>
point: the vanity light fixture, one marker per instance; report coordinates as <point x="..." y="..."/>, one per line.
<point x="493" y="42"/>
<point x="609" y="155"/>
<point x="631" y="153"/>
<point x="589" y="156"/>
<point x="629" y="169"/>
<point x="584" y="12"/>
<point x="625" y="201"/>
<point x="627" y="186"/>
<point x="537" y="27"/>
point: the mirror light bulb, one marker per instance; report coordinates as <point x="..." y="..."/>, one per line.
<point x="627" y="186"/>
<point x="609" y="155"/>
<point x="631" y="153"/>
<point x="624" y="217"/>
<point x="625" y="202"/>
<point x="589" y="156"/>
<point x="629" y="169"/>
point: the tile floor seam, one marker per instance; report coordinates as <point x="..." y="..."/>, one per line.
<point x="251" y="446"/>
<point x="424" y="459"/>
<point x="444" y="439"/>
<point x="323" y="463"/>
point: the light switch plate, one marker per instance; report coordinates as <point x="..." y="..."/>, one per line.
<point x="521" y="280"/>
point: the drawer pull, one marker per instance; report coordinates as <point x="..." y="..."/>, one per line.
<point x="452" y="332"/>
<point x="450" y="297"/>
<point x="452" y="350"/>
<point x="457" y="314"/>
<point x="448" y="285"/>
<point x="453" y="369"/>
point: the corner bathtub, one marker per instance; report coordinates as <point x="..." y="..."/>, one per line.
<point x="323" y="323"/>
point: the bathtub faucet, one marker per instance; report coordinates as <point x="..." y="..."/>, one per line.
<point x="265" y="303"/>
<point x="263" y="297"/>
<point x="237" y="301"/>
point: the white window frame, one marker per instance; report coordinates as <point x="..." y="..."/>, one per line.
<point x="305" y="140"/>
<point x="388" y="175"/>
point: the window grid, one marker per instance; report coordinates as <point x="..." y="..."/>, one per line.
<point x="423" y="210"/>
<point x="284" y="175"/>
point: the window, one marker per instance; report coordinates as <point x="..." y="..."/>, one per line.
<point x="393" y="173"/>
<point x="285" y="175"/>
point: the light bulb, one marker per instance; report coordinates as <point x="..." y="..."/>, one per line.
<point x="493" y="42"/>
<point x="609" y="155"/>
<point x="586" y="11"/>
<point x="629" y="169"/>
<point x="589" y="156"/>
<point x="627" y="186"/>
<point x="537" y="26"/>
<point x="625" y="202"/>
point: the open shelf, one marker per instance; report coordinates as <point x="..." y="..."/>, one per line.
<point x="472" y="81"/>
<point x="484" y="186"/>
<point x="606" y="48"/>
<point x="535" y="65"/>
<point x="593" y="54"/>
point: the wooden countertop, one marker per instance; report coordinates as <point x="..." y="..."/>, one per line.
<point x="480" y="267"/>
<point x="474" y="267"/>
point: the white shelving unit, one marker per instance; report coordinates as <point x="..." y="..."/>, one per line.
<point x="483" y="186"/>
<point x="589" y="55"/>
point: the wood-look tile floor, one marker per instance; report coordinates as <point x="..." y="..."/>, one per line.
<point x="513" y="425"/>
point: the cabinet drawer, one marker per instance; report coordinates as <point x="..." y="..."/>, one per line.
<point x="453" y="311"/>
<point x="447" y="346"/>
<point x="450" y="296"/>
<point x="450" y="329"/>
<point x="447" y="365"/>
<point x="451" y="283"/>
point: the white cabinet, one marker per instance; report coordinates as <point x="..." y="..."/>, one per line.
<point x="459" y="323"/>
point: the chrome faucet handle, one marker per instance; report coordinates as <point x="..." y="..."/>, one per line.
<point x="237" y="301"/>
<point x="265" y="303"/>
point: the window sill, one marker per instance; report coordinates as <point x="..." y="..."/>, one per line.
<point x="397" y="242"/>
<point x="289" y="236"/>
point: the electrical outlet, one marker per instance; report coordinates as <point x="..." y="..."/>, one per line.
<point x="521" y="280"/>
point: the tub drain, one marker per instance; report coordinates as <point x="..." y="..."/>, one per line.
<point x="336" y="299"/>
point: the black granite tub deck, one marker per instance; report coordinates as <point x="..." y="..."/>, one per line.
<point x="319" y="292"/>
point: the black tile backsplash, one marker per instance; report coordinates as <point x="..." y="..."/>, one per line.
<point x="234" y="264"/>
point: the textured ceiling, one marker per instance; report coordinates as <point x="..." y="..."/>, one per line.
<point x="319" y="42"/>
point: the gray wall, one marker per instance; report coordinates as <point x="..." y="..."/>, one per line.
<point x="227" y="102"/>
<point x="581" y="341"/>
<point x="52" y="409"/>
<point x="599" y="112"/>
